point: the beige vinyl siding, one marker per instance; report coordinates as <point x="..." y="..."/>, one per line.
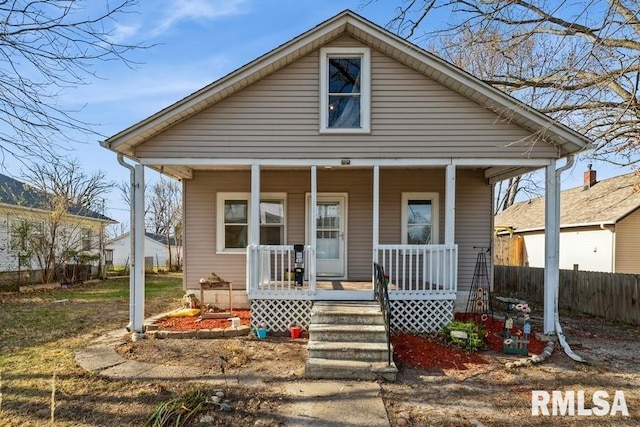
<point x="200" y="228"/>
<point x="278" y="117"/>
<point x="473" y="212"/>
<point x="627" y="244"/>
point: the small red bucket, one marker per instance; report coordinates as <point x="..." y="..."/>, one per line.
<point x="295" y="331"/>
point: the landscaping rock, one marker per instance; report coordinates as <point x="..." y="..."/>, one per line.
<point x="237" y="332"/>
<point x="216" y="333"/>
<point x="203" y="333"/>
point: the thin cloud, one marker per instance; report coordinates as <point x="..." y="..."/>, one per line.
<point x="121" y="32"/>
<point x="198" y="10"/>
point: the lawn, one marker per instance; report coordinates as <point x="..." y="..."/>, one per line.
<point x="39" y="333"/>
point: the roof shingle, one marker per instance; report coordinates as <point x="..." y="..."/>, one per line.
<point x="16" y="193"/>
<point x="607" y="201"/>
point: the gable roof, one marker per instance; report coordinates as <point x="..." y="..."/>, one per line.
<point x="606" y="202"/>
<point x="160" y="238"/>
<point x="18" y="194"/>
<point x="348" y="22"/>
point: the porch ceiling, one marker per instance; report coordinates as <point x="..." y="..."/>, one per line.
<point x="492" y="173"/>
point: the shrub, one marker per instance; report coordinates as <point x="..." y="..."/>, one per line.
<point x="475" y="335"/>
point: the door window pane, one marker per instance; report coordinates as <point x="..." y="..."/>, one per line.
<point x="419" y="222"/>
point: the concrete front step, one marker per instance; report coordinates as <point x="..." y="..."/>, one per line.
<point x="362" y="351"/>
<point x="351" y="333"/>
<point x="350" y="369"/>
<point x="359" y="313"/>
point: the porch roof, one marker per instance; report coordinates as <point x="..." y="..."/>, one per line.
<point x="349" y="23"/>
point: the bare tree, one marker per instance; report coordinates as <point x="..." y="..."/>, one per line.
<point x="485" y="60"/>
<point x="164" y="217"/>
<point x="45" y="47"/>
<point x="71" y="200"/>
<point x="581" y="62"/>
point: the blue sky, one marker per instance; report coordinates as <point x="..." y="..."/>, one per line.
<point x="196" y="42"/>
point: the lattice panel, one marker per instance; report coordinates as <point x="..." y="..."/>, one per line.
<point x="417" y="316"/>
<point x="278" y="314"/>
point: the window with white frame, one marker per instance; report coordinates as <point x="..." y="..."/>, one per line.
<point x="345" y="90"/>
<point x="25" y="233"/>
<point x="234" y="218"/>
<point x="86" y="237"/>
<point x="19" y="233"/>
<point x="420" y="218"/>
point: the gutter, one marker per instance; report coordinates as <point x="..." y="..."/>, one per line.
<point x="600" y="224"/>
<point x="132" y="249"/>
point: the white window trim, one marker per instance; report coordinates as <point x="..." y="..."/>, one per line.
<point x="365" y="88"/>
<point x="221" y="197"/>
<point x="435" y="214"/>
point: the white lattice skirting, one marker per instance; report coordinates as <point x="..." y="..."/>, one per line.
<point x="420" y="316"/>
<point x="276" y="315"/>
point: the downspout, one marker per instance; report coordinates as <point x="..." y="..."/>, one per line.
<point x="560" y="334"/>
<point x="132" y="202"/>
<point x="603" y="226"/>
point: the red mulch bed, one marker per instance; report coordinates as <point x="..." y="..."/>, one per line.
<point x="430" y="352"/>
<point x="194" y="322"/>
<point x="425" y="352"/>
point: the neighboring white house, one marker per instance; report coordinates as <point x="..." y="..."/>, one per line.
<point x="156" y="251"/>
<point x="599" y="226"/>
<point x="25" y="215"/>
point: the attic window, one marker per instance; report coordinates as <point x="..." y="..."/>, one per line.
<point x="345" y="90"/>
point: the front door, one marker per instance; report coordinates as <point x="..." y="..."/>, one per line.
<point x="331" y="219"/>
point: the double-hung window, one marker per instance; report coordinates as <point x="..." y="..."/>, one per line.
<point x="19" y="235"/>
<point x="25" y="233"/>
<point x="86" y="238"/>
<point x="420" y="218"/>
<point x="345" y="90"/>
<point x="234" y="220"/>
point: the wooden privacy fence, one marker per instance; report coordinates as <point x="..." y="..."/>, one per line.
<point x="613" y="296"/>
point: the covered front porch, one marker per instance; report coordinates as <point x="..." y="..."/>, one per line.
<point x="419" y="276"/>
<point x="420" y="279"/>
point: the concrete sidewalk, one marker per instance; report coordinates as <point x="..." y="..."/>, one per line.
<point x="313" y="403"/>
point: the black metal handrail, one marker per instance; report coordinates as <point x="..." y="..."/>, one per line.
<point x="382" y="295"/>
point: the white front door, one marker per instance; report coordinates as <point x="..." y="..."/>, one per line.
<point x="331" y="219"/>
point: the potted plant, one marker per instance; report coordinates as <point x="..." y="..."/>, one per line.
<point x="288" y="274"/>
<point x="295" y="329"/>
<point x="261" y="331"/>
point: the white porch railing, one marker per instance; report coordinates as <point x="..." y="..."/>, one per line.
<point x="419" y="271"/>
<point x="270" y="272"/>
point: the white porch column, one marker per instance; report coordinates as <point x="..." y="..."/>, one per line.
<point x="313" y="235"/>
<point x="376" y="212"/>
<point x="254" y="238"/>
<point x="137" y="265"/>
<point x="450" y="205"/>
<point x="552" y="247"/>
<point x="253" y="263"/>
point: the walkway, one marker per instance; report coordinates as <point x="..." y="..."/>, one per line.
<point x="313" y="403"/>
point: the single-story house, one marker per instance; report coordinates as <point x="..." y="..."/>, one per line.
<point x="357" y="145"/>
<point x="156" y="250"/>
<point x="599" y="225"/>
<point x="26" y="221"/>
